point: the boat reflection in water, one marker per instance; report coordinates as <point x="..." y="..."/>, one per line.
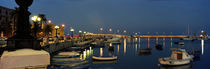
<point x="104" y="62"/>
<point x="188" y="66"/>
<point x="145" y="52"/>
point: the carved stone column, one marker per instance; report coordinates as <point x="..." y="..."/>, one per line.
<point x="23" y="39"/>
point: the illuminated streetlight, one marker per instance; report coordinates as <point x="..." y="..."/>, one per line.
<point x="72" y="32"/>
<point x="101" y="29"/>
<point x="35" y="19"/>
<point x="136" y="33"/>
<point x="202" y="31"/>
<point x="80" y="33"/>
<point x="56" y="29"/>
<point x="49" y="21"/>
<point x="110" y="30"/>
<point x="85" y="32"/>
<point x="124" y="31"/>
<point x="63" y="25"/>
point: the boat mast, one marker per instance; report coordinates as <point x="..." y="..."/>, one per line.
<point x="188" y="29"/>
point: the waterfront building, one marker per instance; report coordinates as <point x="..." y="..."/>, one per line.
<point x="7" y="24"/>
<point x="48" y="29"/>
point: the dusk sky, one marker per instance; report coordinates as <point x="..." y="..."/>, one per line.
<point x="133" y="15"/>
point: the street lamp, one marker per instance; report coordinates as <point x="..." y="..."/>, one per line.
<point x="63" y="25"/>
<point x="56" y="29"/>
<point x="49" y="21"/>
<point x="35" y="19"/>
<point x="101" y="29"/>
<point x="110" y="30"/>
<point x="72" y="32"/>
<point x="85" y="32"/>
<point x="124" y="31"/>
<point x="80" y="32"/>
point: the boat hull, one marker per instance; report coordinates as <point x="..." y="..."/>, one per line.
<point x="173" y="63"/>
<point x="104" y="58"/>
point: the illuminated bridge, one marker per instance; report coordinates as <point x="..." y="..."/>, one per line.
<point x="118" y="35"/>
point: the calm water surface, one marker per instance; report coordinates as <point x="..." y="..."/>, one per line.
<point x="130" y="58"/>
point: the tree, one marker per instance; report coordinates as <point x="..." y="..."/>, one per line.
<point x="48" y="29"/>
<point x="43" y="17"/>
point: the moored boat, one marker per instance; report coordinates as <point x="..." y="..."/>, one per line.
<point x="67" y="54"/>
<point x="158" y="47"/>
<point x="145" y="52"/>
<point x="178" y="57"/>
<point x="104" y="58"/>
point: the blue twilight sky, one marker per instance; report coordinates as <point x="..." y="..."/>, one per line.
<point x="133" y="15"/>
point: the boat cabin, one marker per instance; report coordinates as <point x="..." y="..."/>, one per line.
<point x="179" y="54"/>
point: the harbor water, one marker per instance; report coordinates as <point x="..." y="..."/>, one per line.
<point x="129" y="56"/>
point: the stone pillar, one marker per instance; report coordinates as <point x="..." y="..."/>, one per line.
<point x="23" y="39"/>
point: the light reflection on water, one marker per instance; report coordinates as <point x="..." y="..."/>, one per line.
<point x="128" y="54"/>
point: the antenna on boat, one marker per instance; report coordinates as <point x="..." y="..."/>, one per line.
<point x="188" y="29"/>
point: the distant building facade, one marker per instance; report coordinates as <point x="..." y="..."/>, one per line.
<point x="7" y="25"/>
<point x="60" y="31"/>
<point x="44" y="30"/>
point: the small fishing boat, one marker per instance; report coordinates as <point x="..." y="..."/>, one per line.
<point x="114" y="39"/>
<point x="66" y="59"/>
<point x="104" y="58"/>
<point x="196" y="54"/>
<point x="178" y="57"/>
<point x="181" y="43"/>
<point x="158" y="47"/>
<point x="67" y="54"/>
<point x="145" y="52"/>
<point x="189" y="37"/>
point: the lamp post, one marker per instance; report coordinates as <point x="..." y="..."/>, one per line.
<point x="72" y="32"/>
<point x="110" y="30"/>
<point x="80" y="33"/>
<point x="35" y="20"/>
<point x="63" y="25"/>
<point x="49" y="21"/>
<point x="101" y="29"/>
<point x="124" y="31"/>
<point x="84" y="34"/>
<point x="56" y="30"/>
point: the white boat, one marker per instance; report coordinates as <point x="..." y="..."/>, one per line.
<point x="68" y="54"/>
<point x="66" y="59"/>
<point x="181" y="43"/>
<point x="178" y="57"/>
<point x="114" y="39"/>
<point x="190" y="37"/>
<point x="104" y="58"/>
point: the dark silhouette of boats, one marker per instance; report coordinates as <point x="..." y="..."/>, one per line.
<point x="158" y="47"/>
<point x="196" y="54"/>
<point x="179" y="43"/>
<point x="145" y="52"/>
